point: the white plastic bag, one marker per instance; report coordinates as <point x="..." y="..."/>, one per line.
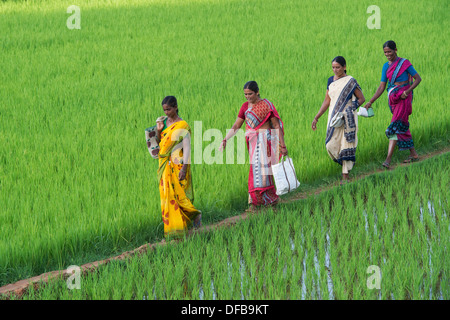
<point x="338" y="120"/>
<point x="284" y="176"/>
<point x="366" y="113"/>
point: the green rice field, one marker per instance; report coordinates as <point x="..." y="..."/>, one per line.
<point x="318" y="248"/>
<point x="77" y="183"/>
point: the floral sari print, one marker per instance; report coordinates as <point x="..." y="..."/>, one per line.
<point x="401" y="108"/>
<point x="177" y="209"/>
<point x="341" y="142"/>
<point x="264" y="151"/>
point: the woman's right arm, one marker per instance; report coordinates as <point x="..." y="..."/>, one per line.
<point x="236" y="126"/>
<point x="377" y="94"/>
<point x="323" y="108"/>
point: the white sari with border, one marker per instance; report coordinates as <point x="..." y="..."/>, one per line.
<point x="341" y="142"/>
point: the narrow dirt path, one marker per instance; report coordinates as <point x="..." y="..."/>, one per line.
<point x="20" y="287"/>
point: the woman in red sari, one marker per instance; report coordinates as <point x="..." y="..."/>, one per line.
<point x="398" y="74"/>
<point x="264" y="134"/>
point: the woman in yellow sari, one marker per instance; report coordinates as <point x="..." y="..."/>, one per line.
<point x="174" y="172"/>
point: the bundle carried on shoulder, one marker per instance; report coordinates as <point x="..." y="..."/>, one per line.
<point x="151" y="138"/>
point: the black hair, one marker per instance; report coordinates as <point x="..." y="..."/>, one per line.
<point x="390" y="44"/>
<point x="252" y="85"/>
<point x="171" y="101"/>
<point x="341" y="61"/>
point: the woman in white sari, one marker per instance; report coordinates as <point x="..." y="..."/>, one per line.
<point x="343" y="97"/>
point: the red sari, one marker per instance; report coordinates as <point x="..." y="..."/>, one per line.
<point x="263" y="148"/>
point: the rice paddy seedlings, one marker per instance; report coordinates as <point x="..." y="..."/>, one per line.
<point x="234" y="275"/>
<point x="206" y="288"/>
<point x="445" y="289"/>
<point x="119" y="291"/>
<point x="339" y="287"/>
<point x="292" y="262"/>
<point x="309" y="272"/>
<point x="422" y="262"/>
<point x="369" y="275"/>
<point x="270" y="282"/>
<point x="175" y="284"/>
<point x="259" y="249"/>
<point x="281" y="280"/>
<point x="416" y="275"/>
<point x="258" y="265"/>
<point x="242" y="276"/>
<point x="221" y="282"/>
<point x="400" y="284"/>
<point x="160" y="280"/>
<point x="259" y="281"/>
<point x="318" y="284"/>
<point x="250" y="269"/>
<point x="294" y="275"/>
<point x="146" y="288"/>
<point x="252" y="293"/>
<point x="287" y="262"/>
<point x="284" y="244"/>
<point x="322" y="265"/>
<point x="327" y="268"/>
<point x="416" y="285"/>
<point x="336" y="272"/>
<point x="438" y="267"/>
<point x="95" y="286"/>
<point x="440" y="212"/>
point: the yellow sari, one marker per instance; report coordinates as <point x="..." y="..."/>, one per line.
<point x="178" y="211"/>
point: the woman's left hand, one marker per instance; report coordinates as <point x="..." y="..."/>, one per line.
<point x="404" y="95"/>
<point x="182" y="174"/>
<point x="284" y="151"/>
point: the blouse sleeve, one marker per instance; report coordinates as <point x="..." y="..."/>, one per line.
<point x="330" y="80"/>
<point x="411" y="71"/>
<point x="244" y="108"/>
<point x="384" y="71"/>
